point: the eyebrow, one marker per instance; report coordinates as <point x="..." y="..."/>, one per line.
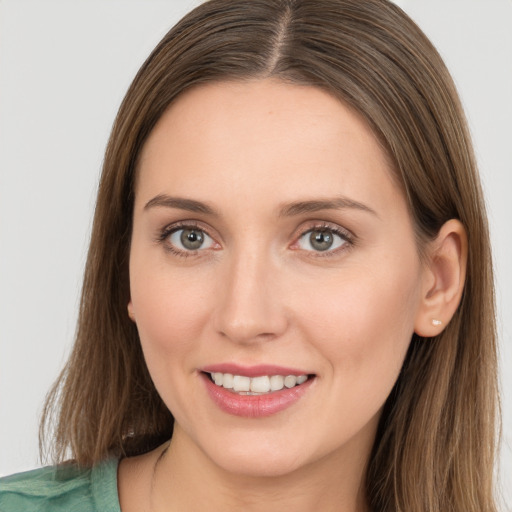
<point x="288" y="210"/>
<point x="180" y="203"/>
<point x="337" y="203"/>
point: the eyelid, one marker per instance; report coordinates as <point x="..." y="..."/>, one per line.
<point x="184" y="224"/>
<point x="164" y="233"/>
<point x="207" y="241"/>
<point x="338" y="230"/>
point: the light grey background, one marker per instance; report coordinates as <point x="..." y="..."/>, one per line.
<point x="64" y="68"/>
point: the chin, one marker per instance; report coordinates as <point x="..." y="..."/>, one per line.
<point x="250" y="458"/>
<point x="259" y="465"/>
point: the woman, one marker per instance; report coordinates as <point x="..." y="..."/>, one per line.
<point x="289" y="285"/>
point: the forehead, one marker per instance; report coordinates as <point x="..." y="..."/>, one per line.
<point x="263" y="136"/>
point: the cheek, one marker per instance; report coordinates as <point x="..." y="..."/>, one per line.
<point x="171" y="311"/>
<point x="363" y="323"/>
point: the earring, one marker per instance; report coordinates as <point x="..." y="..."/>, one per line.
<point x="436" y="322"/>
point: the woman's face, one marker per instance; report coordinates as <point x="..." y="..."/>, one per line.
<point x="270" y="241"/>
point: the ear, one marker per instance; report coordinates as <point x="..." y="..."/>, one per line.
<point x="131" y="314"/>
<point x="443" y="283"/>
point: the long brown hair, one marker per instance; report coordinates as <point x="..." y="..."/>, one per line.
<point x="436" y="441"/>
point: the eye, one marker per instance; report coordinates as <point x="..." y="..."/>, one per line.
<point x="321" y="240"/>
<point x="190" y="239"/>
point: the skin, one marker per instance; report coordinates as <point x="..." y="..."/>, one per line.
<point x="259" y="293"/>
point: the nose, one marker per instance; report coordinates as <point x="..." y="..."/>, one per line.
<point x="250" y="306"/>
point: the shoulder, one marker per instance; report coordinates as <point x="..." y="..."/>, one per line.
<point x="62" y="488"/>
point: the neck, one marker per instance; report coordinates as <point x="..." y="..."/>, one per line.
<point x="185" y="478"/>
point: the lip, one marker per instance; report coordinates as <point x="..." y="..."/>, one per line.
<point x="255" y="406"/>
<point x="254" y="370"/>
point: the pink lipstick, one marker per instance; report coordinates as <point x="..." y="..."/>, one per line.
<point x="255" y="391"/>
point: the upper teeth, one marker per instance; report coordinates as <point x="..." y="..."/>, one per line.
<point x="263" y="384"/>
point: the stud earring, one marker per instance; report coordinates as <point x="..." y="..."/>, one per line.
<point x="436" y="322"/>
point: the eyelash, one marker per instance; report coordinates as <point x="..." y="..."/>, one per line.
<point x="169" y="230"/>
<point x="344" y="234"/>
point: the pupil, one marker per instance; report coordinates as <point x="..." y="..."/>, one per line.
<point x="321" y="240"/>
<point x="192" y="239"/>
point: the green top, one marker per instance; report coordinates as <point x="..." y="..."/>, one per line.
<point x="64" y="488"/>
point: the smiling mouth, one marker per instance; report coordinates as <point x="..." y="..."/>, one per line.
<point x="261" y="385"/>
